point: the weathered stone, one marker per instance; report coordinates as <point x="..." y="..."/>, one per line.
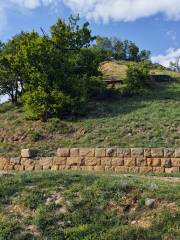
<point x="15" y="160"/>
<point x="141" y="162"/>
<point x="26" y="153"/>
<point x="91" y="161"/>
<point x="100" y="152"/>
<point x="177" y="153"/>
<point x="73" y="161"/>
<point x="154" y="162"/>
<point x="3" y="163"/>
<point x="47" y="167"/>
<point x="29" y="167"/>
<point x="121" y="169"/>
<point x="63" y="152"/>
<point x="175" y="162"/>
<point x="133" y="169"/>
<point x="27" y="161"/>
<point x="158" y="170"/>
<point x="150" y="202"/>
<point x="137" y="152"/>
<point x="87" y="152"/>
<point x="38" y="167"/>
<point x="55" y="168"/>
<point x="17" y="167"/>
<point x="111" y="152"/>
<point x="172" y="170"/>
<point x="59" y="160"/>
<point x="157" y="152"/>
<point x="123" y="152"/>
<point x="145" y="169"/>
<point x="169" y="152"/>
<point x="74" y="152"/>
<point x="117" y="161"/>
<point x="166" y="162"/>
<point x="45" y="161"/>
<point x="99" y="168"/>
<point x="147" y="152"/>
<point x="107" y="161"/>
<point x="109" y="169"/>
<point x="130" y="162"/>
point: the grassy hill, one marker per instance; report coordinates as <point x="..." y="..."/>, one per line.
<point x="151" y="119"/>
<point x="77" y="206"/>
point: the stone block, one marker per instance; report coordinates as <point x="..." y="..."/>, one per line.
<point x="137" y="152"/>
<point x="111" y="152"/>
<point x="141" y="162"/>
<point x="147" y="152"/>
<point x="130" y="162"/>
<point x="29" y="167"/>
<point x="166" y="162"/>
<point x="157" y="152"/>
<point x="109" y="168"/>
<point x="27" y="161"/>
<point x="169" y="152"/>
<point x="133" y="169"/>
<point x="15" y="160"/>
<point x="75" y="168"/>
<point x="55" y="168"/>
<point x="99" y="168"/>
<point x="62" y="167"/>
<point x="63" y="152"/>
<point x="91" y="161"/>
<point x="74" y="152"/>
<point x="177" y="152"/>
<point x="121" y="169"/>
<point x="73" y="161"/>
<point x="3" y="163"/>
<point x="123" y="152"/>
<point x="38" y="167"/>
<point x="145" y="169"/>
<point x="100" y="152"/>
<point x="154" y="162"/>
<point x="117" y="161"/>
<point x="107" y="161"/>
<point x="172" y="170"/>
<point x="45" y="161"/>
<point x="17" y="167"/>
<point x="59" y="160"/>
<point x="158" y="169"/>
<point x="47" y="167"/>
<point x="86" y="152"/>
<point x="27" y="153"/>
<point x="175" y="162"/>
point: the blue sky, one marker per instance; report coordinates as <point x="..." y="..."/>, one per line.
<point x="153" y="25"/>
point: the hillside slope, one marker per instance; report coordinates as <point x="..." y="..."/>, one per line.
<point x="151" y="119"/>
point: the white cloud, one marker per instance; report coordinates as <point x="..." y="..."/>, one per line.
<point x="124" y="10"/>
<point x="170" y="56"/>
<point x="105" y="10"/>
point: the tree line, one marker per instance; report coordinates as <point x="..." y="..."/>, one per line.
<point x="56" y="74"/>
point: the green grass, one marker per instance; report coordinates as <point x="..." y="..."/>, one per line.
<point x="77" y="206"/>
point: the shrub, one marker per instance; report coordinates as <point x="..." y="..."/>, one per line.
<point x="95" y="87"/>
<point x="137" y="78"/>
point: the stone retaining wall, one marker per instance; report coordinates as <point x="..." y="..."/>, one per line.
<point x="120" y="160"/>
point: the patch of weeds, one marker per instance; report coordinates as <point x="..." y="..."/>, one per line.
<point x="8" y="226"/>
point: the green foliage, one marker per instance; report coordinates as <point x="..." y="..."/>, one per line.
<point x="96" y="87"/>
<point x="138" y="77"/>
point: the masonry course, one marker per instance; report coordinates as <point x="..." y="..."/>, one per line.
<point x="119" y="160"/>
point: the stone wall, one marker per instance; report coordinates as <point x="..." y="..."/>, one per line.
<point x="119" y="160"/>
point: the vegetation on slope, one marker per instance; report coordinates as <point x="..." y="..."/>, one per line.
<point x="151" y="119"/>
<point x="87" y="206"/>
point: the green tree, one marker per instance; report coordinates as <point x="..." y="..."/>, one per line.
<point x="138" y="76"/>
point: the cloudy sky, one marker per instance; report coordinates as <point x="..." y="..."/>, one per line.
<point x="152" y="24"/>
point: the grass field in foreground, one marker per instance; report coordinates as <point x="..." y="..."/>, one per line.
<point x="74" y="206"/>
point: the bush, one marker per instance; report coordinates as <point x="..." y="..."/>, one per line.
<point x="95" y="87"/>
<point x="137" y="79"/>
